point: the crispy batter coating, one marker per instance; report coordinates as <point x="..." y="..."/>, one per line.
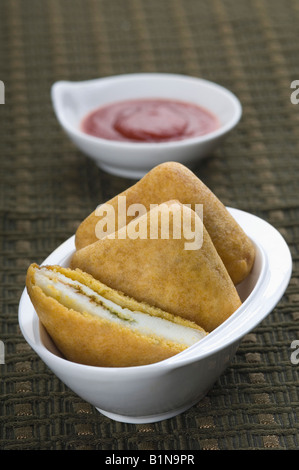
<point x="173" y="180"/>
<point x="193" y="284"/>
<point x="90" y="340"/>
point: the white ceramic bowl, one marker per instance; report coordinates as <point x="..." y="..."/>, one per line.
<point x="158" y="391"/>
<point x="73" y="100"/>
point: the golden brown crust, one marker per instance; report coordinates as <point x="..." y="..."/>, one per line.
<point x="193" y="284"/>
<point x="87" y="339"/>
<point x="172" y="180"/>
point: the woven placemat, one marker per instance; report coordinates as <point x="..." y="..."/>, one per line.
<point x="47" y="187"/>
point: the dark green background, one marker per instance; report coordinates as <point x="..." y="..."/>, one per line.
<point x="47" y="187"/>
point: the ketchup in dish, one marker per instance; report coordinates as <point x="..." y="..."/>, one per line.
<point x="149" y="120"/>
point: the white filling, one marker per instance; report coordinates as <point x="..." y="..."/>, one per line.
<point x="73" y="294"/>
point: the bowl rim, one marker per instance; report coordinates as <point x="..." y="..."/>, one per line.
<point x="221" y="131"/>
<point x="276" y="272"/>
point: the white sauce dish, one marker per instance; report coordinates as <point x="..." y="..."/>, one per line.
<point x="72" y="101"/>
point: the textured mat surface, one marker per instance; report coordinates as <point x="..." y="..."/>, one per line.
<point x="47" y="187"/>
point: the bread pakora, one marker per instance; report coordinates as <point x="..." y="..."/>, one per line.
<point x="193" y="284"/>
<point x="93" y="324"/>
<point x="172" y="180"/>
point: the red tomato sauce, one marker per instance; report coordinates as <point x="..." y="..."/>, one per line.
<point x="149" y="120"/>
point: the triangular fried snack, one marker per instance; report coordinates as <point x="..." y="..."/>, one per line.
<point x="187" y="280"/>
<point x="170" y="181"/>
<point x="92" y="324"/>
